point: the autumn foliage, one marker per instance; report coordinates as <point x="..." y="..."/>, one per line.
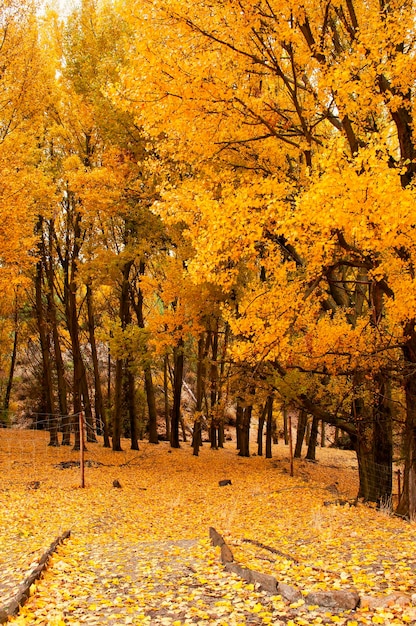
<point x="207" y="214"/>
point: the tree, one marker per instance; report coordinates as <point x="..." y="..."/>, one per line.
<point x="293" y="116"/>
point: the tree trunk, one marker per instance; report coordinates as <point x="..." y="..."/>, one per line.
<point x="178" y="355"/>
<point x="107" y="412"/>
<point x="201" y="370"/>
<point x="300" y="433"/>
<point x="245" y="432"/>
<point x="12" y="361"/>
<point x="121" y="363"/>
<point x="118" y="406"/>
<point x="46" y="357"/>
<point x="239" y="423"/>
<point x="313" y="438"/>
<point x="151" y="404"/>
<point x="148" y="380"/>
<point x="98" y="395"/>
<point x="262" y="419"/>
<point x="166" y="395"/>
<point x="269" y="427"/>
<point x="407" y="503"/>
<point x="285" y="426"/>
<point x="323" y="434"/>
<point x="214" y="389"/>
<point x="131" y="403"/>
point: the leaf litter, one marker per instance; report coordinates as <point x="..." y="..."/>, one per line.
<point x="141" y="554"/>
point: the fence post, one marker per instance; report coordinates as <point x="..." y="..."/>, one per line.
<point x="81" y="448"/>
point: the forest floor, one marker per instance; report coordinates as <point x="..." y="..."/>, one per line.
<point x="141" y="554"/>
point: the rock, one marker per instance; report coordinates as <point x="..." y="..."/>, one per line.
<point x="289" y="593"/>
<point x="223" y="483"/>
<point x="216" y="538"/>
<point x="340" y="600"/>
<point x="226" y="554"/>
<point x="242" y="572"/>
<point x="397" y="598"/>
<point x="34" y="484"/>
<point x="116" y="484"/>
<point x="266" y="582"/>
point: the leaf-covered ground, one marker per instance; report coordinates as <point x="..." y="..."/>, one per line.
<point x="141" y="554"/>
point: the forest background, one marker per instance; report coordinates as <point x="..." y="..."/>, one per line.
<point x="218" y="196"/>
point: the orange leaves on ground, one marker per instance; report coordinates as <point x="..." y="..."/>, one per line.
<point x="141" y="554"/>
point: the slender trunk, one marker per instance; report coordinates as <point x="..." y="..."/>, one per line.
<point x="300" y="434"/>
<point x="117" y="414"/>
<point x="197" y="437"/>
<point x="407" y="502"/>
<point x="107" y="416"/>
<point x="59" y="361"/>
<point x="177" y="393"/>
<point x="200" y="388"/>
<point x="262" y="419"/>
<point x="214" y="389"/>
<point x="322" y="434"/>
<point x="307" y="432"/>
<point x="383" y="437"/>
<point x="182" y="423"/>
<point x="221" y="433"/>
<point x="239" y="423"/>
<point x="98" y="395"/>
<point x="151" y="404"/>
<point x="201" y="371"/>
<point x="285" y="426"/>
<point x="213" y="435"/>
<point x="269" y="427"/>
<point x="121" y="363"/>
<point x="313" y="438"/>
<point x="12" y="361"/>
<point x="148" y="380"/>
<point x="245" y="432"/>
<point x="89" y="422"/>
<point x="131" y="403"/>
<point x="46" y="358"/>
<point x="77" y="366"/>
<point x="166" y="395"/>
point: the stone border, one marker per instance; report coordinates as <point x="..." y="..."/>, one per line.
<point x="12" y="608"/>
<point x="340" y="600"/>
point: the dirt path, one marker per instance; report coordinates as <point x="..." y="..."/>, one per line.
<point x="156" y="583"/>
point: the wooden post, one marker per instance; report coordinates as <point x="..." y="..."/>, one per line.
<point x="81" y="449"/>
<point x="290" y="443"/>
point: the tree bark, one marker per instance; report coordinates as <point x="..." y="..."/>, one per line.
<point x="46" y="357"/>
<point x="269" y="427"/>
<point x="166" y="395"/>
<point x="285" y="426"/>
<point x="407" y="503"/>
<point x="121" y="362"/>
<point x="300" y="433"/>
<point x="245" y="432"/>
<point x="101" y="423"/>
<point x="313" y="438"/>
<point x="262" y="419"/>
<point x="13" y="359"/>
<point x="148" y="380"/>
<point x="179" y="357"/>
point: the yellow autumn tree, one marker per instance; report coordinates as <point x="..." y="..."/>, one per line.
<point x="296" y="124"/>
